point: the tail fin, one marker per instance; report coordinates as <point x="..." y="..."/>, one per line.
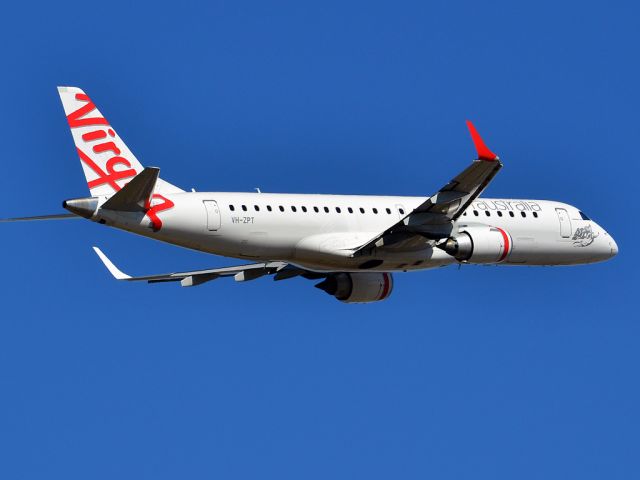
<point x="107" y="162"/>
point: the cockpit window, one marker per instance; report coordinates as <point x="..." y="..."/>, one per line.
<point x="584" y="217"/>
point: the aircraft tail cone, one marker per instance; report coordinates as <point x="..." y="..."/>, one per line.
<point x="84" y="207"/>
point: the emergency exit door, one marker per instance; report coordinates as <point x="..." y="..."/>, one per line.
<point x="213" y="215"/>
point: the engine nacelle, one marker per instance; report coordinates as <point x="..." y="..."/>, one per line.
<point x="358" y="287"/>
<point x="479" y="245"/>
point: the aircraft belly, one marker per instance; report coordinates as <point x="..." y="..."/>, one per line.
<point x="380" y="259"/>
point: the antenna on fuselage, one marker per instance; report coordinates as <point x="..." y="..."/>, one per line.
<point x="257" y="189"/>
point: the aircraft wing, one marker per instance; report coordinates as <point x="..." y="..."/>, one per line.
<point x="433" y="218"/>
<point x="282" y="270"/>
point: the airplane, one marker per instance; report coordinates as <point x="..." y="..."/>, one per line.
<point x="352" y="244"/>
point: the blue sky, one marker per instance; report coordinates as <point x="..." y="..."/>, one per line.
<point x="479" y="372"/>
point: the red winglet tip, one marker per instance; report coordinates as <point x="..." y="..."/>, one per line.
<point x="483" y="152"/>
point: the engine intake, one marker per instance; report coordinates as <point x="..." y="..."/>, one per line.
<point x="479" y="245"/>
<point x="358" y="287"/>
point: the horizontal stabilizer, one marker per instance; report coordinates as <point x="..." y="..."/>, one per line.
<point x="59" y="216"/>
<point x="135" y="195"/>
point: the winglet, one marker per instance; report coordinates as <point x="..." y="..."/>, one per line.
<point x="483" y="152"/>
<point x="118" y="275"/>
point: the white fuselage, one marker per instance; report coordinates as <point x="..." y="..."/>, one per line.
<point x="319" y="232"/>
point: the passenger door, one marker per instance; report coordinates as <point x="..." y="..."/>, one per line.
<point x="565" y="222"/>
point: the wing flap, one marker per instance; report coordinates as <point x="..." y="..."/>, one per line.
<point x="455" y="196"/>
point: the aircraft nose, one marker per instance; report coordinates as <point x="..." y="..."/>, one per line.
<point x="614" y="246"/>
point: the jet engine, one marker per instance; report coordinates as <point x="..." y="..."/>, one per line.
<point x="358" y="287"/>
<point x="479" y="245"/>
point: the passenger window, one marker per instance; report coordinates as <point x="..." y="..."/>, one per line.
<point x="326" y="209"/>
<point x="281" y="208"/>
<point x="475" y="212"/>
<point x="244" y="208"/>
<point x="232" y="208"/>
<point x="293" y="209"/>
<point x="464" y="214"/>
<point x="269" y="207"/>
<point x="338" y="209"/>
<point x="487" y="213"/>
<point x="257" y="208"/>
<point x="401" y="210"/>
<point x="304" y="209"/>
<point x="511" y="214"/>
<point x="375" y="210"/>
<point x="499" y="213"/>
<point x="350" y="210"/>
<point x="535" y="214"/>
<point x="523" y="214"/>
<point x="389" y="211"/>
<point x="361" y="210"/>
<point x="315" y="209"/>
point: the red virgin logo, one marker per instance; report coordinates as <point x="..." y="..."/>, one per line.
<point x="153" y="210"/>
<point x="117" y="167"/>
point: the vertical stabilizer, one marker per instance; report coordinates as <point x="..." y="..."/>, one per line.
<point x="107" y="162"/>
